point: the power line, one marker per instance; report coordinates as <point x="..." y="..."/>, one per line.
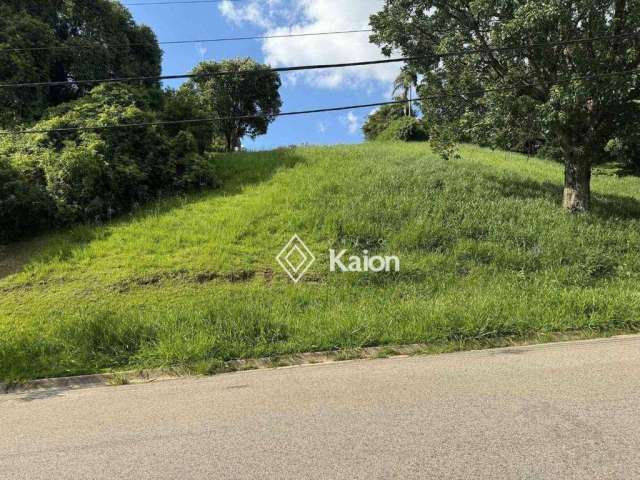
<point x="183" y="42"/>
<point x="203" y="75"/>
<point x="318" y="67"/>
<point x="306" y="112"/>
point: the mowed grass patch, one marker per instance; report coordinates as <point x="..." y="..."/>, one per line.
<point x="485" y="252"/>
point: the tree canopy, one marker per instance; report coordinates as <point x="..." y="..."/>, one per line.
<point x="84" y="163"/>
<point x="405" y="81"/>
<point x="379" y="120"/>
<point x="235" y="88"/>
<point x="63" y="40"/>
<point x="84" y="167"/>
<point x="524" y="74"/>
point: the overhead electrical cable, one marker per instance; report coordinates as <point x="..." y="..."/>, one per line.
<point x="312" y="111"/>
<point x="184" y="42"/>
<point x="316" y="67"/>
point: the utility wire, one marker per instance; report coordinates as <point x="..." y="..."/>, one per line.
<point x="201" y="75"/>
<point x="184" y="42"/>
<point x="318" y="67"/>
<point x="318" y="110"/>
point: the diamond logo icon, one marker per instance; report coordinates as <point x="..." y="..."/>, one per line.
<point x="296" y="258"/>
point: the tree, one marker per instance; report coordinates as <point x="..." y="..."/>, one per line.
<point x="574" y="100"/>
<point x="380" y="120"/>
<point x="82" y="39"/>
<point x="405" y="81"/>
<point x="236" y="88"/>
<point x="77" y="170"/>
<point x="181" y="105"/>
<point x="405" y="129"/>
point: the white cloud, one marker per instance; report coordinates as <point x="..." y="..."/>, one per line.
<point x="252" y="12"/>
<point x="351" y="121"/>
<point x="202" y="51"/>
<point x="310" y="16"/>
<point x="323" y="127"/>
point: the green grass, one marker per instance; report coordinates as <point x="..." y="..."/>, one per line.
<point x="486" y="253"/>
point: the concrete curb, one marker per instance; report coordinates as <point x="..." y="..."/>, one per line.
<point x="153" y="375"/>
<point x="87" y="381"/>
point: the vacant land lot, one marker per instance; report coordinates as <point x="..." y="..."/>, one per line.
<point x="486" y="253"/>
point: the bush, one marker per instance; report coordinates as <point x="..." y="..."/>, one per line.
<point x="380" y="120"/>
<point x="626" y="151"/>
<point x="94" y="174"/>
<point x="190" y="169"/>
<point x="24" y="205"/>
<point x="183" y="105"/>
<point x="406" y="129"/>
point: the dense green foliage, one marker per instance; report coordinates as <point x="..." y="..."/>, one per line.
<point x="24" y="203"/>
<point x="485" y="254"/>
<point x="405" y="129"/>
<point x="379" y="120"/>
<point x="519" y="96"/>
<point x="625" y="149"/>
<point x="235" y="88"/>
<point x="65" y="175"/>
<point x="182" y="104"/>
<point x="90" y="39"/>
<point x="61" y="177"/>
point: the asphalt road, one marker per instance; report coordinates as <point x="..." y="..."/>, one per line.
<point x="555" y="411"/>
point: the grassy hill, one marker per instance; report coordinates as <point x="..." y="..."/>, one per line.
<point x="486" y="253"/>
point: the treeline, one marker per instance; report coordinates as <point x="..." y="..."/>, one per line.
<point x="82" y="165"/>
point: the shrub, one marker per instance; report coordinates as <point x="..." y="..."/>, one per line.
<point x="379" y="121"/>
<point x="24" y="205"/>
<point x="626" y="151"/>
<point x="95" y="173"/>
<point x="405" y="129"/>
<point x="189" y="168"/>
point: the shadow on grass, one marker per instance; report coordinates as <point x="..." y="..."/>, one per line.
<point x="627" y="171"/>
<point x="604" y="206"/>
<point x="236" y="172"/>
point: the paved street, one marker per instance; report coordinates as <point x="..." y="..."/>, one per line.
<point x="553" y="411"/>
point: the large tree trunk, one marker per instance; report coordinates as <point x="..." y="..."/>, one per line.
<point x="577" y="183"/>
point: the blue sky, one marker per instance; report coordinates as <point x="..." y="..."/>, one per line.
<point x="303" y="90"/>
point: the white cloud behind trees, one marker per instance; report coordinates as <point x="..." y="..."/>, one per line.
<point x="281" y="17"/>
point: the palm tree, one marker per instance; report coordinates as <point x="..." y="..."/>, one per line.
<point x="404" y="83"/>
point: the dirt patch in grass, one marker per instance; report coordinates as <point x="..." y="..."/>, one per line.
<point x="185" y="276"/>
